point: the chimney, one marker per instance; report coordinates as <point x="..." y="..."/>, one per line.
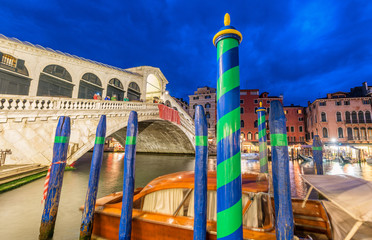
<point x="365" y="89"/>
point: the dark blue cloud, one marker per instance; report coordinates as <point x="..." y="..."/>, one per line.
<point x="302" y="49"/>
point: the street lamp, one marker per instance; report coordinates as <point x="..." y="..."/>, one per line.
<point x="167" y="92"/>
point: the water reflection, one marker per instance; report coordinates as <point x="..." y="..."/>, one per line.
<point x="21" y="210"/>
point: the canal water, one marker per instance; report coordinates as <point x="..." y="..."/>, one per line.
<point x="21" y="208"/>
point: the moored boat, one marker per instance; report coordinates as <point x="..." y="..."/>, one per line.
<point x="164" y="209"/>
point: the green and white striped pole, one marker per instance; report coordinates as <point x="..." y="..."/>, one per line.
<point x="261" y="113"/>
<point x="229" y="183"/>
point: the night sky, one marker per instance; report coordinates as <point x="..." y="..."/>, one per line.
<point x="302" y="49"/>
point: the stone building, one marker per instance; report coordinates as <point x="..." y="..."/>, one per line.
<point x="341" y="117"/>
<point x="205" y="96"/>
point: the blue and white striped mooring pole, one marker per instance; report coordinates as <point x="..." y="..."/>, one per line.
<point x="200" y="179"/>
<point x="261" y="114"/>
<point x="61" y="141"/>
<point x="95" y="168"/>
<point x="128" y="181"/>
<point x="229" y="181"/>
<point x="318" y="155"/>
<point x="280" y="172"/>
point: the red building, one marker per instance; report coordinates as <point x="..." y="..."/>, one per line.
<point x="295" y="124"/>
<point x="249" y="102"/>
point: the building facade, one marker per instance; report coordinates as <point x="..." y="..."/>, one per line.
<point x="205" y="96"/>
<point x="341" y="117"/>
<point x="296" y="129"/>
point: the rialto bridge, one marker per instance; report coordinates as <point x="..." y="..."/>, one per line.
<point x="37" y="85"/>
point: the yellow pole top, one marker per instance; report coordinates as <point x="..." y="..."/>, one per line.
<point x="227" y="19"/>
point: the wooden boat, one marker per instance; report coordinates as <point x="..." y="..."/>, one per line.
<point x="164" y="210"/>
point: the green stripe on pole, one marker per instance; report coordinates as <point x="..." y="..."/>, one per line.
<point x="61" y="139"/>
<point x="130" y="140"/>
<point x="317" y="148"/>
<point x="228" y="124"/>
<point x="201" y="140"/>
<point x="227" y="85"/>
<point x="229" y="172"/>
<point x="229" y="220"/>
<point x="262" y="133"/>
<point x="228" y="43"/>
<point x="100" y="140"/>
<point x="279" y="140"/>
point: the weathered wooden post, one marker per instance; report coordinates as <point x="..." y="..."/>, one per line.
<point x="229" y="183"/>
<point x="261" y="114"/>
<point x="57" y="169"/>
<point x="318" y="155"/>
<point x="201" y="171"/>
<point x="95" y="168"/>
<point x="280" y="171"/>
<point x="128" y="180"/>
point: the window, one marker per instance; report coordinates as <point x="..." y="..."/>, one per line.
<point x="346" y="102"/>
<point x="325" y="133"/>
<point x="207" y="105"/>
<point x="299" y="111"/>
<point x="361" y="117"/>
<point x="207" y="115"/>
<point x="241" y="101"/>
<point x="338" y="103"/>
<point x="356" y="134"/>
<point x="354" y="117"/>
<point x="292" y="129"/>
<point x="287" y="129"/>
<point x="366" y="101"/>
<point x="294" y="139"/>
<point x="347" y="117"/>
<point x="300" y="129"/>
<point x="268" y="110"/>
<point x="300" y="119"/>
<point x="349" y="134"/>
<point x="242" y="123"/>
<point x="312" y="135"/>
<point x="255" y="124"/>
<point x="322" y="104"/>
<point x="324" y="117"/>
<point x="242" y="135"/>
<point x="241" y="110"/>
<point x="207" y="97"/>
<point x="209" y="125"/>
<point x="268" y="101"/>
<point x="338" y="117"/>
<point x="369" y="133"/>
<point x="194" y="106"/>
<point x="256" y="136"/>
<point x="363" y="134"/>
<point x="368" y="117"/>
<point x="340" y="133"/>
<point x="195" y="98"/>
<point x="249" y="136"/>
<point x="285" y="111"/>
<point x="255" y="101"/>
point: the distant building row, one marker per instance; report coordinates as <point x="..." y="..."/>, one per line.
<point x="342" y="117"/>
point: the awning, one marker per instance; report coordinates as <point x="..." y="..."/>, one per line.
<point x="350" y="194"/>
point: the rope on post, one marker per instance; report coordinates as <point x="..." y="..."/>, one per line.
<point x="95" y="168"/>
<point x="318" y="155"/>
<point x="261" y="113"/>
<point x="128" y="179"/>
<point x="229" y="184"/>
<point x="57" y="169"/>
<point x="200" y="177"/>
<point x="280" y="172"/>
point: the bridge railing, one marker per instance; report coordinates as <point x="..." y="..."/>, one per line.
<point x="20" y="103"/>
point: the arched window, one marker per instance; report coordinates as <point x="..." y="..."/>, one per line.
<point x="15" y="84"/>
<point x="90" y="84"/>
<point x="115" y="87"/>
<point x="249" y="136"/>
<point x="347" y="117"/>
<point x="349" y="134"/>
<point x="134" y="92"/>
<point x="242" y="135"/>
<point x="207" y="115"/>
<point x="324" y="117"/>
<point x="168" y="104"/>
<point x="356" y="134"/>
<point x="340" y="133"/>
<point x="207" y="105"/>
<point x="363" y="134"/>
<point x="361" y="117"/>
<point x="338" y="117"/>
<point x="354" y="117"/>
<point x="256" y="136"/>
<point x="325" y="133"/>
<point x="242" y="123"/>
<point x="55" y="81"/>
<point x="368" y="117"/>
